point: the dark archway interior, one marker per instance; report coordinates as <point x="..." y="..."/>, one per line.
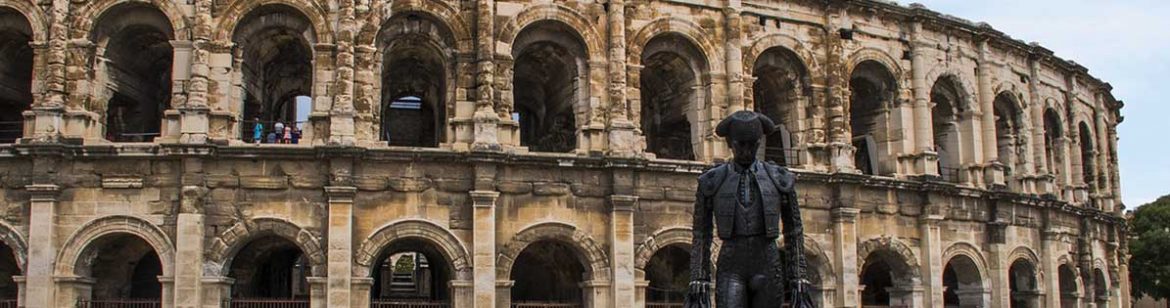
<point x="669" y="273"/>
<point x="8" y="268"/>
<point x="411" y="270"/>
<point x="884" y="271"/>
<point x="672" y="91"/>
<point x="547" y="271"/>
<point x="781" y="83"/>
<point x="16" y="63"/>
<point x="277" y="65"/>
<point x="1007" y="131"/>
<point x="1100" y="289"/>
<point x="1068" y="286"/>
<point x="949" y="106"/>
<point x="137" y="62"/>
<point x="549" y="83"/>
<point x="1022" y="283"/>
<point x="963" y="285"/>
<point x="123" y="266"/>
<point x="1052" y="140"/>
<point x="872" y="89"/>
<point x="270" y="267"/>
<point x="1086" y="140"/>
<point x="414" y="66"/>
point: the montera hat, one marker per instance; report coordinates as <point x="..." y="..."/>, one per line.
<point x="745" y="125"/>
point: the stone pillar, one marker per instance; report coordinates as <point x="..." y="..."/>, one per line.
<point x="1044" y="179"/>
<point x="596" y="294"/>
<point x="42" y="252"/>
<point x="361" y="292"/>
<point x="217" y="291"/>
<point x="1048" y="266"/>
<point x="486" y="137"/>
<point x="622" y="249"/>
<point x="841" y="148"/>
<point x="926" y="162"/>
<point x="932" y="267"/>
<point x="71" y="289"/>
<point x="189" y="248"/>
<point x="21" y="290"/>
<point x="623" y="141"/>
<point x="845" y="252"/>
<point x="997" y="262"/>
<point x="640" y="293"/>
<point x="341" y="116"/>
<point x="317" y="130"/>
<point x="167" y="298"/>
<point x="993" y="172"/>
<point x="484" y="250"/>
<point x="503" y="294"/>
<point x="317" y="292"/>
<point x="734" y="54"/>
<point x="462" y="294"/>
<point x="339" y="256"/>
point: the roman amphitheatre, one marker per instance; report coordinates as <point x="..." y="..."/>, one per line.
<point x="536" y="154"/>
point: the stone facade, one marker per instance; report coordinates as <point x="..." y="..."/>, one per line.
<point x="538" y="151"/>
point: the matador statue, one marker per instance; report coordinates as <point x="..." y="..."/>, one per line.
<point x="745" y="201"/>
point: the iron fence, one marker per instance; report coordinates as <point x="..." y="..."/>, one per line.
<point x="268" y="303"/>
<point x="406" y="303"/>
<point x="949" y="174"/>
<point x="8" y="303"/>
<point x="545" y="305"/>
<point x="117" y="303"/>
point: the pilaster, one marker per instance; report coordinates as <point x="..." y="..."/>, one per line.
<point x="931" y="260"/>
<point x="339" y="257"/>
<point x="189" y="248"/>
<point x="622" y="249"/>
<point x="462" y="294"/>
<point x="845" y="253"/>
<point x="217" y="291"/>
<point x="484" y="249"/>
<point x="925" y="159"/>
<point x="361" y="289"/>
<point x="623" y="141"/>
<point x="42" y="251"/>
<point x="317" y="292"/>
<point x="993" y="171"/>
<point x="486" y="131"/>
<point x="596" y="293"/>
<point x="503" y="294"/>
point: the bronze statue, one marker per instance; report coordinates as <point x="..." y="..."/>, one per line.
<point x="748" y="199"/>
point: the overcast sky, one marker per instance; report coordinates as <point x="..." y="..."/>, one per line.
<point x="1125" y="43"/>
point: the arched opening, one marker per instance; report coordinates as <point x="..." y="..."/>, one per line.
<point x="872" y="90"/>
<point x="16" y="65"/>
<point x="886" y="281"/>
<point x="781" y="86"/>
<point x="125" y="270"/>
<point x="134" y="70"/>
<point x="1088" y="171"/>
<point x="673" y="89"/>
<point x="1068" y="286"/>
<point x="415" y="70"/>
<point x="1053" y="154"/>
<point x="270" y="269"/>
<point x="411" y="272"/>
<point x="1025" y="293"/>
<point x="547" y="272"/>
<point x="947" y="116"/>
<point x="276" y="63"/>
<point x="8" y="268"/>
<point x="1008" y="137"/>
<point x="550" y="83"/>
<point x="963" y="284"/>
<point x="1100" y="288"/>
<point x="668" y="273"/>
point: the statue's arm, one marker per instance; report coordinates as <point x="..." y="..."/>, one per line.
<point x="701" y="227"/>
<point x="793" y="231"/>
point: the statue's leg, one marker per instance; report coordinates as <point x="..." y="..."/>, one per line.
<point x="730" y="291"/>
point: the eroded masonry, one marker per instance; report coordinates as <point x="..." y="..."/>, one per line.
<point x="489" y="153"/>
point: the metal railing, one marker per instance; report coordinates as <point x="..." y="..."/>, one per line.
<point x="119" y="303"/>
<point x="545" y="305"/>
<point x="8" y="303"/>
<point x="407" y="303"/>
<point x="268" y="303"/>
<point x="664" y="305"/>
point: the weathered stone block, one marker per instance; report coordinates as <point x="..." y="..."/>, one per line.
<point x="550" y="189"/>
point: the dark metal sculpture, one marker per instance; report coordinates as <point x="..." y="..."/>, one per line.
<point x="745" y="200"/>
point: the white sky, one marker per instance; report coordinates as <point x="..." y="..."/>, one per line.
<point x="1125" y="43"/>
